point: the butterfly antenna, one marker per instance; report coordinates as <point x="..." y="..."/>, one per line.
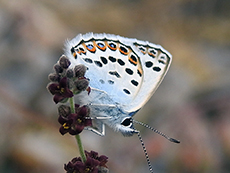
<point x="156" y="131"/>
<point x="98" y="118"/>
<point x="145" y="151"/>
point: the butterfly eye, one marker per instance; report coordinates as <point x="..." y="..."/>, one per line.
<point x="127" y="122"/>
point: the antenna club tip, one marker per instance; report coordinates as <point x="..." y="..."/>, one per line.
<point x="174" y="140"/>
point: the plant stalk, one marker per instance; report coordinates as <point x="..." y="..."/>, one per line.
<point x="78" y="138"/>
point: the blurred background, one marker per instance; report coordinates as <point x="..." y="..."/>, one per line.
<point x="192" y="104"/>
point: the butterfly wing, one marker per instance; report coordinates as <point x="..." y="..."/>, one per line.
<point x="123" y="74"/>
<point x="113" y="66"/>
<point x="128" y="70"/>
<point x="155" y="62"/>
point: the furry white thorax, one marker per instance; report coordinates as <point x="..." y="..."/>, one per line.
<point x="104" y="110"/>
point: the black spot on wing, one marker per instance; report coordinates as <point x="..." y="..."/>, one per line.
<point x="129" y="71"/>
<point x="101" y="81"/>
<point x="72" y="50"/>
<point x="82" y="50"/>
<point x="88" y="60"/>
<point x="123" y="50"/>
<point x="160" y="61"/>
<point x="153" y="52"/>
<point x="111" y="82"/>
<point x="148" y="64"/>
<point x="112" y="59"/>
<point x="112" y="46"/>
<point x="104" y="60"/>
<point x="135" y="83"/>
<point x="98" y="63"/>
<point x="142" y="49"/>
<point x="133" y="60"/>
<point x="121" y="62"/>
<point x="139" y="73"/>
<point x="157" y="69"/>
<point x="115" y="74"/>
<point x="126" y="91"/>
<point x="162" y="57"/>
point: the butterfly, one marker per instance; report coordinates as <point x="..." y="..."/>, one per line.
<point x="123" y="72"/>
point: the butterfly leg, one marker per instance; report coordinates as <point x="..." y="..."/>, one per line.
<point x="99" y="128"/>
<point x="99" y="116"/>
<point x="101" y="105"/>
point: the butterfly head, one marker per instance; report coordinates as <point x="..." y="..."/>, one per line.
<point x="126" y="127"/>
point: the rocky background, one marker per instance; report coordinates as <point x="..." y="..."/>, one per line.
<point x="192" y="104"/>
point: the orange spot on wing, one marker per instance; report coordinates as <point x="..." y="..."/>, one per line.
<point x="143" y="52"/>
<point x="83" y="51"/>
<point x="78" y="51"/>
<point x="125" y="53"/>
<point x="93" y="49"/>
<point x="151" y="54"/>
<point x="74" y="54"/>
<point x="139" y="71"/>
<point x="99" y="47"/>
<point x="112" y="48"/>
<point x="132" y="61"/>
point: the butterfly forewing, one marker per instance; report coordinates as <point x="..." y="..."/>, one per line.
<point x="113" y="67"/>
<point x="155" y="62"/>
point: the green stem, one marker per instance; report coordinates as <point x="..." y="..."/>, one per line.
<point x="79" y="143"/>
<point x="80" y="147"/>
<point x="72" y="106"/>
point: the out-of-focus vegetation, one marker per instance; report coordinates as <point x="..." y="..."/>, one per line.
<point x="192" y="104"/>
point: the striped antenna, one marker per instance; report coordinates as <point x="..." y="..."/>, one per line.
<point x="156" y="131"/>
<point x="145" y="151"/>
<point x="98" y="118"/>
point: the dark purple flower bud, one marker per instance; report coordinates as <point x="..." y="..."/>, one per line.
<point x="102" y="169"/>
<point x="80" y="70"/>
<point x="54" y="77"/>
<point x="82" y="84"/>
<point x="64" y="62"/>
<point x="58" y="68"/>
<point x="64" y="110"/>
<point x="70" y="73"/>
